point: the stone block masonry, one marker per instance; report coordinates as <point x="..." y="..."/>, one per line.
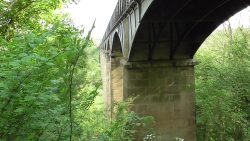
<point x="166" y="92"/>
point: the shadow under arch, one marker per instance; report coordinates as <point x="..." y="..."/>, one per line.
<point x="107" y="47"/>
<point x="116" y="50"/>
<point x="174" y="30"/>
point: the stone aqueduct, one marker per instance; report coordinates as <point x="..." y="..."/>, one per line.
<point x="147" y="52"/>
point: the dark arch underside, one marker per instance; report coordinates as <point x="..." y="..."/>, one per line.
<point x="175" y="29"/>
<point x="116" y="47"/>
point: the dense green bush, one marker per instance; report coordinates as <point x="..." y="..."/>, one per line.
<point x="223" y="86"/>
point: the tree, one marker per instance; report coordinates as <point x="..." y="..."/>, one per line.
<point x="41" y="56"/>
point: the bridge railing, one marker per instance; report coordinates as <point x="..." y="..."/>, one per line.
<point x="119" y="12"/>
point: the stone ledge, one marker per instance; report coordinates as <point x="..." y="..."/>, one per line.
<point x="156" y="64"/>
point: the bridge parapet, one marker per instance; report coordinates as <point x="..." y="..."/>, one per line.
<point x="122" y="8"/>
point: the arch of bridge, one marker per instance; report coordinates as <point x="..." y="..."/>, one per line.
<point x="166" y="30"/>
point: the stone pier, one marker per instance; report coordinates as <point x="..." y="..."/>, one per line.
<point x="163" y="90"/>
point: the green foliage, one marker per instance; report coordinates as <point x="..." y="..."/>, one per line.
<point x="18" y="14"/>
<point x="124" y="125"/>
<point x="38" y="72"/>
<point x="223" y="87"/>
<point x="97" y="126"/>
<point x="43" y="72"/>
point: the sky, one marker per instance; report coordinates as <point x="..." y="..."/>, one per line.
<point x="86" y="11"/>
